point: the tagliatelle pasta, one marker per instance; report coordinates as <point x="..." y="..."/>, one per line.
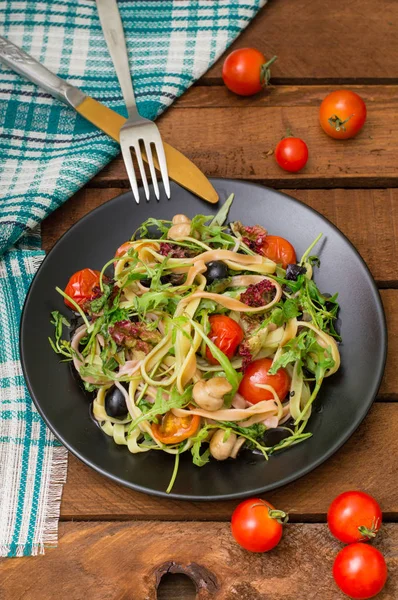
<point x="200" y="330"/>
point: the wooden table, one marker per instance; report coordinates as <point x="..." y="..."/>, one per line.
<point x="114" y="543"/>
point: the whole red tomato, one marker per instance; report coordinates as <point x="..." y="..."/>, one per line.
<point x="342" y="114"/>
<point x="360" y="571"/>
<point x="82" y="287"/>
<point x="291" y="154"/>
<point x="246" y="71"/>
<point x="354" y="517"/>
<point x="279" y="250"/>
<point x="257" y="372"/>
<point x="226" y="334"/>
<point x="257" y="526"/>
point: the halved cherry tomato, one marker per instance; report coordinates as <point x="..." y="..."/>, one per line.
<point x="342" y="114"/>
<point x="123" y="249"/>
<point x="360" y="571"/>
<point x="173" y="430"/>
<point x="246" y="71"/>
<point x="226" y="334"/>
<point x="291" y="154"/>
<point x="256" y="525"/>
<point x="354" y="517"/>
<point x="279" y="250"/>
<point x="81" y="287"/>
<point x="257" y="372"/>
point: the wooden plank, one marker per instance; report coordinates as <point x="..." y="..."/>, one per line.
<point x="340" y="41"/>
<point x="88" y="495"/>
<point x="368" y="217"/>
<point x="126" y="560"/>
<point x="230" y="142"/>
<point x="201" y="96"/>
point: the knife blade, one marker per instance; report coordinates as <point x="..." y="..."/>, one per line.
<point x="181" y="169"/>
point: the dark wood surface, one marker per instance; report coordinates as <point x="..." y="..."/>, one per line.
<point x="131" y="539"/>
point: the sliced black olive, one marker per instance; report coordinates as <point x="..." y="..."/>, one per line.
<point x="115" y="403"/>
<point x="216" y="269"/>
<point x="274" y="436"/>
<point x="146" y="282"/>
<point x="293" y="271"/>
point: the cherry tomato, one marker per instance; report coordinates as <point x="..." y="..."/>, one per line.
<point x="257" y="372"/>
<point x="123" y="249"/>
<point x="173" y="430"/>
<point x="226" y="334"/>
<point x="354" y="517"/>
<point x="256" y="525"/>
<point x="81" y="287"/>
<point x="291" y="154"/>
<point x="246" y="71"/>
<point x="342" y="114"/>
<point x="279" y="250"/>
<point x="360" y="571"/>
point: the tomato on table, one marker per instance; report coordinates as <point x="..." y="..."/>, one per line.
<point x="82" y="287"/>
<point x="360" y="571"/>
<point x="291" y="154"/>
<point x="226" y="334"/>
<point x="246" y="71"/>
<point x="257" y="372"/>
<point x="342" y="114"/>
<point x="172" y="429"/>
<point x="279" y="250"/>
<point x="256" y="525"/>
<point x="354" y="517"/>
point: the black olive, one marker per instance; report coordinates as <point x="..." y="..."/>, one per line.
<point x="115" y="403"/>
<point x="293" y="271"/>
<point x="274" y="436"/>
<point x="146" y="282"/>
<point x="216" y="269"/>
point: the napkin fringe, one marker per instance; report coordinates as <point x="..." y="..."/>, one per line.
<point x="58" y="471"/>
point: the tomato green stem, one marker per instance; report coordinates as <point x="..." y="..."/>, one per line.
<point x="278" y="515"/>
<point x="265" y="71"/>
<point x="335" y="122"/>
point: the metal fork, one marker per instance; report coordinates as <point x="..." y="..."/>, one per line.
<point x="136" y="129"/>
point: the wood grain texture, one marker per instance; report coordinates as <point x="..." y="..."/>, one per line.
<point x="374" y="447"/>
<point x="351" y="41"/>
<point x="124" y="561"/>
<point x="369" y="218"/>
<point x="234" y="139"/>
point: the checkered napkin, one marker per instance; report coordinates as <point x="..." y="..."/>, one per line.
<point x="48" y="153"/>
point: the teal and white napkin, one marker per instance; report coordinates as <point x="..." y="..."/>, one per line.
<point x="47" y="153"/>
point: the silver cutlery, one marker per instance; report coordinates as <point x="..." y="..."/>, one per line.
<point x="137" y="132"/>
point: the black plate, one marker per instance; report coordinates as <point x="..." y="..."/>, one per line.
<point x="344" y="400"/>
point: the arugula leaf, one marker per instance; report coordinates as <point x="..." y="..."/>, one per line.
<point x="222" y="214"/>
<point x="152" y="300"/>
<point x="162" y="405"/>
<point x="199" y="459"/>
<point x="290" y="308"/>
<point x="144" y="230"/>
<point x="60" y="346"/>
<point x="98" y="304"/>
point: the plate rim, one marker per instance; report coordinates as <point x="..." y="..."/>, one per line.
<point x="233" y="495"/>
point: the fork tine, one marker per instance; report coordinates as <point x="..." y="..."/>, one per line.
<point x="163" y="166"/>
<point x="149" y="157"/>
<point x="142" y="168"/>
<point x="128" y="163"/>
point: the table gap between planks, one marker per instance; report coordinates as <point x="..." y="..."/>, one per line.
<point x="115" y="543"/>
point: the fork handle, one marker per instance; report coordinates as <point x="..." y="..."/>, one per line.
<point x="112" y="28"/>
